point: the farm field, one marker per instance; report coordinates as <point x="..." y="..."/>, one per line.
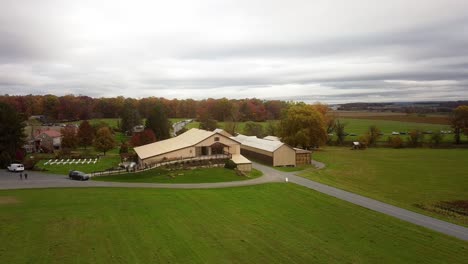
<point x="271" y="223"/>
<point x="360" y="127"/>
<point x="200" y="175"/>
<point x="428" y="181"/>
<point x="442" y="119"/>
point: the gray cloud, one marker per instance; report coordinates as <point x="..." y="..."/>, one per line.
<point x="300" y="50"/>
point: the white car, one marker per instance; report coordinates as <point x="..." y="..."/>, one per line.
<point x="16" y="167"/>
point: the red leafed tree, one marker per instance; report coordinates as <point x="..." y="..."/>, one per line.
<point x="147" y="136"/>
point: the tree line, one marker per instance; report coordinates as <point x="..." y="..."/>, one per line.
<point x="71" y="107"/>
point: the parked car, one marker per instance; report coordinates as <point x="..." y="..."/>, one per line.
<point x="78" y="175"/>
<point x="16" y="167"/>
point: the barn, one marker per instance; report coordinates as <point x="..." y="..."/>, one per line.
<point x="272" y="152"/>
<point x="195" y="143"/>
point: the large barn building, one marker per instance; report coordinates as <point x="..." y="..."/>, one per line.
<point x="272" y="152"/>
<point x="192" y="144"/>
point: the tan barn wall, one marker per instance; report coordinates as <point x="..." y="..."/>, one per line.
<point x="184" y="153"/>
<point x="234" y="146"/>
<point x="284" y="156"/>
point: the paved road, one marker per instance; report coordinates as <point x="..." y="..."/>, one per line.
<point x="10" y="180"/>
<point x="41" y="180"/>
<point x="403" y="214"/>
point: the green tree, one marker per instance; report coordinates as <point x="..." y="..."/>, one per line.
<point x="373" y="135"/>
<point x="85" y="134"/>
<point x="304" y="126"/>
<point x="436" y="138"/>
<point x="271" y="128"/>
<point x="459" y="121"/>
<point x="69" y="138"/>
<point x="339" y="129"/>
<point x="208" y="124"/>
<point x="158" y="122"/>
<point x="129" y="118"/>
<point x="11" y="133"/>
<point x="104" y="140"/>
<point x="253" y="129"/>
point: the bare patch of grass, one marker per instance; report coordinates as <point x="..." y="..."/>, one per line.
<point x="8" y="200"/>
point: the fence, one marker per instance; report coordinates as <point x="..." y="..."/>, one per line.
<point x="208" y="159"/>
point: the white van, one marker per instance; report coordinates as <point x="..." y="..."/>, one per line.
<point x="16" y="167"/>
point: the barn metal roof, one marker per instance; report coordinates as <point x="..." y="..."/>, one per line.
<point x="254" y="142"/>
<point x="187" y="139"/>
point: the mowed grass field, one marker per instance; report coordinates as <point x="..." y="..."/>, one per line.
<point x="104" y="163"/>
<point x="421" y="180"/>
<point x="361" y="126"/>
<point x="271" y="223"/>
<point x="199" y="175"/>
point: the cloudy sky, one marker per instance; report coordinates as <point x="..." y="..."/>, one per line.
<point x="329" y="51"/>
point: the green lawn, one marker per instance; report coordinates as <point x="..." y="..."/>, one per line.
<point x="104" y="163"/>
<point x="361" y="126"/>
<point x="409" y="178"/>
<point x="201" y="175"/>
<point x="271" y="223"/>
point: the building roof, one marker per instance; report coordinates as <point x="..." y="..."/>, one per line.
<point x="239" y="159"/>
<point x="254" y="142"/>
<point x="298" y="150"/>
<point x="50" y="133"/>
<point x="222" y="132"/>
<point x="187" y="139"/>
<point x="272" y="138"/>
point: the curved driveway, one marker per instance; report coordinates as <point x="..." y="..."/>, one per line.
<point x="41" y="180"/>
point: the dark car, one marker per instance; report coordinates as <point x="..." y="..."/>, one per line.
<point x="78" y="175"/>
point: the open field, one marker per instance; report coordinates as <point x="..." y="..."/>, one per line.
<point x="422" y="180"/>
<point x="200" y="175"/>
<point x="271" y="223"/>
<point x="360" y="127"/>
<point x="442" y="119"/>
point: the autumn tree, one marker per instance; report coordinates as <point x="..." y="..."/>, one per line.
<point x="69" y="138"/>
<point x="11" y="133"/>
<point x="303" y="125"/>
<point x="415" y="137"/>
<point x="159" y="122"/>
<point x="85" y="134"/>
<point x="104" y="140"/>
<point x="459" y="122"/>
<point x="147" y="136"/>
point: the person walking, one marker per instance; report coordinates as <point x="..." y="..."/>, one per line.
<point x="21" y="176"/>
<point x="25" y="176"/>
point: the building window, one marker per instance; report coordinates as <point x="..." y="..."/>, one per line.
<point x="216" y="138"/>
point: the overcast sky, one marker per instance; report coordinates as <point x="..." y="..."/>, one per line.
<point x="329" y="51"/>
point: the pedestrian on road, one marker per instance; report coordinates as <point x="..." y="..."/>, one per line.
<point x="21" y="176"/>
<point x="25" y="176"/>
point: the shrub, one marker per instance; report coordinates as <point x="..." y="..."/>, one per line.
<point x="415" y="137"/>
<point x="230" y="165"/>
<point x="395" y="142"/>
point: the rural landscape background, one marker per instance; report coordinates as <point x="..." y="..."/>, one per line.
<point x="233" y="131"/>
